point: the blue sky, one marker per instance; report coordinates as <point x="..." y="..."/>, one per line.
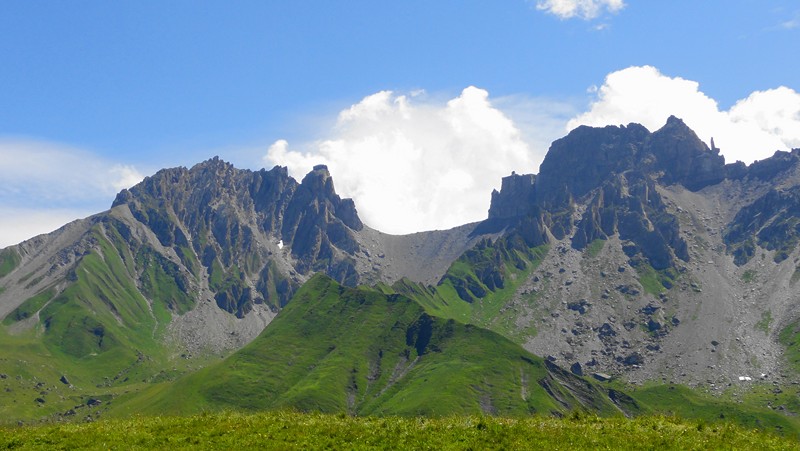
<point x="96" y="94"/>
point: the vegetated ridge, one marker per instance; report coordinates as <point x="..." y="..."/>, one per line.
<point x="357" y="350"/>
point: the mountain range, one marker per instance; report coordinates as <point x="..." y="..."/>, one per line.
<point x="634" y="256"/>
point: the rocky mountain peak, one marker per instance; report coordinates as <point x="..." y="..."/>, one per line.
<point x="597" y="183"/>
<point x="226" y="216"/>
<point x="514" y="198"/>
<point x="682" y="157"/>
<point x="214" y="165"/>
<point x="621" y="255"/>
<point x="319" y="180"/>
<point x="317" y="191"/>
<point x="588" y="156"/>
<point x="581" y="161"/>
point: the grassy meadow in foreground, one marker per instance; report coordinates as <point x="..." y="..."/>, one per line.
<point x="290" y="430"/>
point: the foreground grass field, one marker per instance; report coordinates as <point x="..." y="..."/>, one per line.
<point x="291" y="430"/>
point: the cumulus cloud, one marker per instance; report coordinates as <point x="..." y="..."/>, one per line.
<point x="775" y="111"/>
<point x="585" y="9"/>
<point x="413" y="164"/>
<point x="754" y="128"/>
<point x="44" y="185"/>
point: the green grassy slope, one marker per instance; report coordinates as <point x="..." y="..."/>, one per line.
<point x="291" y="430"/>
<point x="744" y="410"/>
<point x="400" y="350"/>
<point x="102" y="321"/>
<point x="9" y="259"/>
<point x="100" y="332"/>
<point x="359" y="351"/>
<point x="479" y="284"/>
<point x="790" y="338"/>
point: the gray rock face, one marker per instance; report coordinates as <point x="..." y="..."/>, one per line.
<point x="770" y="168"/>
<point x="702" y="250"/>
<point x="585" y="158"/>
<point x="224" y="215"/>
<point x="683" y="157"/>
<point x="770" y="222"/>
<point x="588" y="157"/>
<point x="514" y="198"/>
<point x="614" y="170"/>
<point x="629" y="205"/>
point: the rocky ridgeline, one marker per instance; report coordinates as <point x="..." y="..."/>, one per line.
<point x="599" y="182"/>
<point x="232" y="219"/>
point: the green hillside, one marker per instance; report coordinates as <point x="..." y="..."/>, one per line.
<point x="400" y="350"/>
<point x="100" y="333"/>
<point x="291" y="430"/>
<point x="359" y="351"/>
<point x="479" y="284"/>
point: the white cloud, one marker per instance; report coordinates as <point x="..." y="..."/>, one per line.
<point x="775" y="111"/>
<point x="43" y="185"/>
<point x="585" y="9"/>
<point x="48" y="173"/>
<point x="754" y="128"/>
<point x="123" y="176"/>
<point x="411" y="164"/>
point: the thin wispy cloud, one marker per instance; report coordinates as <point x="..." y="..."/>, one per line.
<point x="584" y="9"/>
<point x="791" y="24"/>
<point x="20" y="224"/>
<point x="784" y="20"/>
<point x="44" y="184"/>
<point x="40" y="172"/>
